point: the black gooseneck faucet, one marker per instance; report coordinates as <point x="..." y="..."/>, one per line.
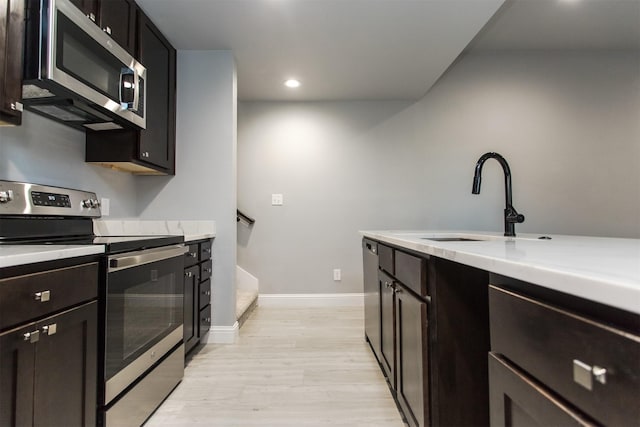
<point x="511" y="216"/>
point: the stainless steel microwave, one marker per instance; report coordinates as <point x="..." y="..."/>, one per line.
<point x="77" y="74"/>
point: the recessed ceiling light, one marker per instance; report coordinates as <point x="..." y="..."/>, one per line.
<point x="292" y="83"/>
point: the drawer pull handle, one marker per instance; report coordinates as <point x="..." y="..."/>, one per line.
<point x="193" y="254"/>
<point x="584" y="374"/>
<point x="50" y="329"/>
<point x="188" y="274"/>
<point x="43" y="296"/>
<point x="600" y="374"/>
<point x="32" y="336"/>
<point x="209" y="270"/>
<point x="207" y="250"/>
<point x="207" y="293"/>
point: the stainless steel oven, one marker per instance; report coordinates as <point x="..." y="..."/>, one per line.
<point x="140" y="298"/>
<point x="143" y="313"/>
<point x="76" y="74"/>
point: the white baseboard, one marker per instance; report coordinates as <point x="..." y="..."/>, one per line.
<point x="223" y="334"/>
<point x="311" y="300"/>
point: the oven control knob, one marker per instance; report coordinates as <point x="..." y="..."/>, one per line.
<point x="6" y="196"/>
<point x="90" y="203"/>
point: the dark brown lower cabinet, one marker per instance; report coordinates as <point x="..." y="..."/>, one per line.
<point x="48" y="371"/>
<point x="191" y="281"/>
<point x="518" y="401"/>
<point x="404" y="343"/>
<point x="412" y="376"/>
<point x="434" y="335"/>
<point x="387" y="328"/>
<point x="197" y="292"/>
<point x="588" y="363"/>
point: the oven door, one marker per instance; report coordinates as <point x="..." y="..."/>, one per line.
<point x="143" y="313"/>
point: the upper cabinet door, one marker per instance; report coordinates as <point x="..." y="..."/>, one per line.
<point x="117" y="18"/>
<point x="157" y="141"/>
<point x="12" y="15"/>
<point x="89" y="8"/>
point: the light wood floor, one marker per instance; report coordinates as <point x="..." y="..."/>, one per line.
<point x="290" y="367"/>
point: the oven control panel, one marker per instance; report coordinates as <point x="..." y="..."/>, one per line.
<point x="50" y="199"/>
<point x="24" y="199"/>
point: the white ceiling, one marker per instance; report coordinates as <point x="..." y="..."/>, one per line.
<point x="563" y="25"/>
<point x="338" y="49"/>
<point x="380" y="49"/>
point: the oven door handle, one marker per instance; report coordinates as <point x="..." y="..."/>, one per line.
<point x="135" y="259"/>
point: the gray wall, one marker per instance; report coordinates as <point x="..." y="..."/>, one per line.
<point x="204" y="187"/>
<point x="566" y="122"/>
<point x="45" y="152"/>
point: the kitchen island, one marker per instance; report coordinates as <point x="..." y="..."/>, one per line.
<point x="557" y="317"/>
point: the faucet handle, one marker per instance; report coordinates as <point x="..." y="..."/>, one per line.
<point x="511" y="215"/>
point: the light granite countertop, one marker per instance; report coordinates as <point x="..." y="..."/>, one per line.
<point x="11" y="255"/>
<point x="606" y="270"/>
<point x="191" y="230"/>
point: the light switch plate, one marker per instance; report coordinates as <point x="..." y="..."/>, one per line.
<point x="277" y="200"/>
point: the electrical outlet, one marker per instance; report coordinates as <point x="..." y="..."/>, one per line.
<point x="277" y="200"/>
<point x="104" y="206"/>
<point x="337" y="275"/>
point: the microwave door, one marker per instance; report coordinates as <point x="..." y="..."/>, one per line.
<point x="84" y="60"/>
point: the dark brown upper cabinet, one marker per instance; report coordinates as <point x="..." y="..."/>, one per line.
<point x="12" y="15"/>
<point x="150" y="151"/>
<point x="116" y="18"/>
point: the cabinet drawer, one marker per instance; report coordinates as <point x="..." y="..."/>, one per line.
<point x="205" y="293"/>
<point x="31" y="296"/>
<point x="565" y="352"/>
<point x="385" y="258"/>
<point x="205" y="250"/>
<point x="205" y="320"/>
<point x="191" y="257"/>
<point x="206" y="268"/>
<point x="411" y="271"/>
<point x="517" y="400"/>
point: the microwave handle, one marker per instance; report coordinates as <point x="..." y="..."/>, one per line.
<point x="129" y="77"/>
<point x="136" y="90"/>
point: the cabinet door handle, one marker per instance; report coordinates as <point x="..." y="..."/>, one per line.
<point x="599" y="374"/>
<point x="145" y="154"/>
<point x="193" y="254"/>
<point x="207" y="293"/>
<point x="584" y="374"/>
<point x="398" y="290"/>
<point x="388" y="284"/>
<point x="92" y="17"/>
<point x="50" y="329"/>
<point x="31" y="336"/>
<point x="107" y="30"/>
<point x="42" y="296"/>
<point x="209" y="270"/>
<point x="207" y="250"/>
<point x="188" y="274"/>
